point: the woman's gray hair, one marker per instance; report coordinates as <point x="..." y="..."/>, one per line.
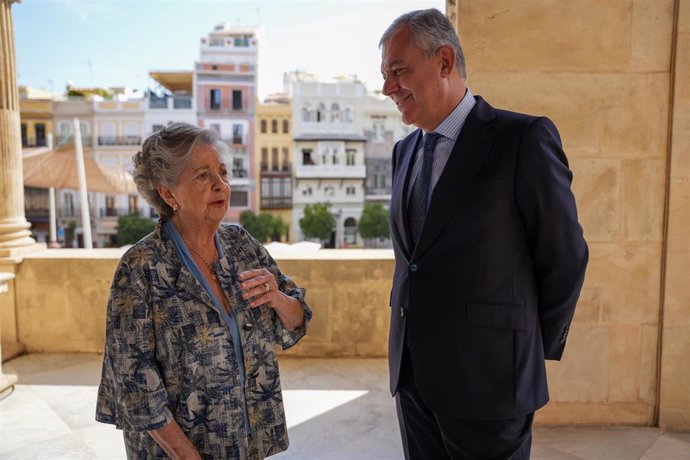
<point x="430" y="29"/>
<point x="163" y="157"/>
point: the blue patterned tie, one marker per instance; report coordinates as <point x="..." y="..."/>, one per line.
<point x="419" y="197"/>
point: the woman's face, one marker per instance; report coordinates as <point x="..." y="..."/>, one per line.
<point x="202" y="193"/>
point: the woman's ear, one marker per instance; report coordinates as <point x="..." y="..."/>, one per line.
<point x="167" y="195"/>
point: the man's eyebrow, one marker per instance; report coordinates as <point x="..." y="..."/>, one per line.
<point x="199" y="168"/>
<point x="390" y="64"/>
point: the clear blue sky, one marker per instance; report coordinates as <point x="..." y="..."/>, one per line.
<point x="116" y="42"/>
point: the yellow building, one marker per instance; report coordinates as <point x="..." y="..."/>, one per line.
<point x="274" y="157"/>
<point x="36" y="113"/>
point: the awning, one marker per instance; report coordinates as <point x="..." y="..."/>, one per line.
<point x="57" y="168"/>
<point x="174" y="81"/>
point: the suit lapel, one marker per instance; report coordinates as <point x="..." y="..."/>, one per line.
<point x="469" y="153"/>
<point x="400" y="192"/>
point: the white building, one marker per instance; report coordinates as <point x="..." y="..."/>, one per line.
<point x="328" y="152"/>
<point x="118" y="132"/>
<point x="173" y="104"/>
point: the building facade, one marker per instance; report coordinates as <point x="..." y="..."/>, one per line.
<point x="328" y="151"/>
<point x="225" y="79"/>
<point x="274" y="157"/>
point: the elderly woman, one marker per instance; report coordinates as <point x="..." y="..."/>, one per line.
<point x="195" y="312"/>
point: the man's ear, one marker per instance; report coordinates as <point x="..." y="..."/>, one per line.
<point x="166" y="194"/>
<point x="447" y="56"/>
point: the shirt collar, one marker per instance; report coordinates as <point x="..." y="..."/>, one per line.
<point x="451" y="126"/>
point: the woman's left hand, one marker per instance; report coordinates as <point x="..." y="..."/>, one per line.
<point x="261" y="285"/>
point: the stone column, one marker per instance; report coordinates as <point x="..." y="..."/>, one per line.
<point x="15" y="237"/>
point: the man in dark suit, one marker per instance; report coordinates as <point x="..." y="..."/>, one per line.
<point x="490" y="257"/>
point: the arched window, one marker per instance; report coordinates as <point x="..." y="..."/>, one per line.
<point x="350" y="231"/>
<point x="305" y="113"/>
<point x="263" y="125"/>
<point x="274" y="126"/>
<point x="286" y="127"/>
<point x="321" y="113"/>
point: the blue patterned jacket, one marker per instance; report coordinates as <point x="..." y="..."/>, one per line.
<point x="169" y="355"/>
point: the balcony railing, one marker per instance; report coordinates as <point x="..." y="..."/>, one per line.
<point x="239" y="173"/>
<point x="155" y="103"/>
<point x="285" y="168"/>
<point x="86" y="140"/>
<point x="330" y="171"/>
<point x="119" y="140"/>
<point x="234" y="140"/>
<point x="34" y="142"/>
<point x="171" y="102"/>
<point x="116" y="212"/>
<point x="276" y="202"/>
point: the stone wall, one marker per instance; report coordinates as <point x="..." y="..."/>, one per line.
<point x="602" y="72"/>
<point x="62" y="294"/>
<point x="674" y="404"/>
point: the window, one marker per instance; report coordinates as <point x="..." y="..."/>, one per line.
<point x="264" y="159"/>
<point x="379" y="180"/>
<point x="306" y="157"/>
<point x="335" y="112"/>
<point x="65" y="130"/>
<point x="286" y="127"/>
<point x="236" y="99"/>
<point x="215" y="99"/>
<point x="350" y="231"/>
<point x="239" y="199"/>
<point x="40" y="134"/>
<point x="274" y="126"/>
<point x="351" y="156"/>
<point x="107" y="136"/>
<point x="216" y="127"/>
<point x="237" y="137"/>
<point x="274" y="159"/>
<point x="110" y="206"/>
<point x="321" y="113"/>
<point x="263" y="125"/>
<point x="351" y="190"/>
<point x="242" y="41"/>
<point x="68" y="211"/>
<point x="307" y="191"/>
<point x="24" y="138"/>
<point x="134" y="204"/>
<point x="305" y="113"/>
<point x="329" y="190"/>
<point x="286" y="159"/>
<point x="347" y="116"/>
<point x="276" y="192"/>
<point x="238" y="167"/>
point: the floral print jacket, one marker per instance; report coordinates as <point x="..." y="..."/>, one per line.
<point x="169" y="355"/>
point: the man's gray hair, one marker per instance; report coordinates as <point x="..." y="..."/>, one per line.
<point x="430" y="29"/>
<point x="163" y="157"/>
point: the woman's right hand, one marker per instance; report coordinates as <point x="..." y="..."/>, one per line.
<point x="175" y="443"/>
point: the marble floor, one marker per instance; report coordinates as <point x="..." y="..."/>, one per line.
<point x="336" y="409"/>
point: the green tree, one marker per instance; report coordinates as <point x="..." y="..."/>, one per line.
<point x="374" y="222"/>
<point x="132" y="228"/>
<point x="317" y="221"/>
<point x="264" y="226"/>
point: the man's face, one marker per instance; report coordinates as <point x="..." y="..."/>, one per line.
<point x="412" y="80"/>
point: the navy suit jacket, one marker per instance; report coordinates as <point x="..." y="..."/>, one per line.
<point x="490" y="289"/>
